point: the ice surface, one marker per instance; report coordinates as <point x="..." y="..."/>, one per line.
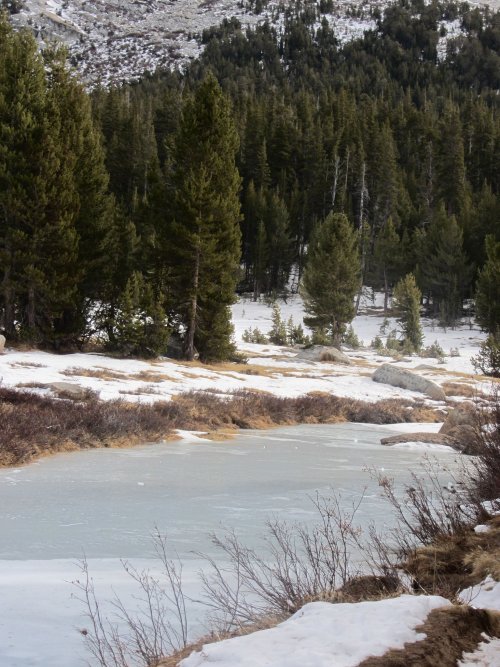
<point x="106" y="503"/>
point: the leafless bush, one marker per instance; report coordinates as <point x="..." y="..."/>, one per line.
<point x="484" y="479"/>
<point x="297" y="565"/>
<point x="429" y="510"/>
<point x="33" y="424"/>
<point x="158" y="626"/>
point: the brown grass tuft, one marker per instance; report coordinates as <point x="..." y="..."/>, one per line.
<point x="449" y="632"/>
<point x="460" y="389"/>
<point x="101" y="373"/>
<point x="34" y="425"/>
<point x="456" y="561"/>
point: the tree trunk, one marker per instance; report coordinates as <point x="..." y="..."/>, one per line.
<point x="193" y="308"/>
<point x="8" y="312"/>
<point x="386" y="292"/>
<point x="335" y="180"/>
<point x="31" y="309"/>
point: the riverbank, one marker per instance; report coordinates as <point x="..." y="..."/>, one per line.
<point x="34" y="426"/>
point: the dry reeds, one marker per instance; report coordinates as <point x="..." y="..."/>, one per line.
<point x="34" y="425"/>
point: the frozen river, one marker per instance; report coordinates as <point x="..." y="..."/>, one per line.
<point x="104" y="505"/>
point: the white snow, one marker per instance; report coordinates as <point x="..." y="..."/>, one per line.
<point x="482" y="528"/>
<point x="270" y="368"/>
<point x="485" y="595"/>
<point x="32" y="592"/>
<point x="323" y="634"/>
<point x="487" y="654"/>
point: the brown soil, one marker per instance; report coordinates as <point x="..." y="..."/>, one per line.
<point x="450" y="631"/>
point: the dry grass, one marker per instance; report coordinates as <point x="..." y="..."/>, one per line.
<point x="140" y="391"/>
<point x="460" y="389"/>
<point x="26" y="364"/>
<point x="449" y="632"/>
<point x="456" y="561"/>
<point x="151" y="376"/>
<point x="34" y="425"/>
<point x="99" y="372"/>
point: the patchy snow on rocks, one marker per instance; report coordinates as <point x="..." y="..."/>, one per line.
<point x="115" y="41"/>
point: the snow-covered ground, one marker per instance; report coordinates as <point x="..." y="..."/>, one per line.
<point x="270" y="368"/>
<point x="323" y="634"/>
<point x="42" y="585"/>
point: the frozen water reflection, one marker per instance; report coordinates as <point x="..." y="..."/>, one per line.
<point x="106" y="503"/>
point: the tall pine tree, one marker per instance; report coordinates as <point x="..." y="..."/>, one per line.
<point x="331" y="277"/>
<point x="206" y="233"/>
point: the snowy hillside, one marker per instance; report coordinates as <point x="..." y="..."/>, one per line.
<point x="111" y="41"/>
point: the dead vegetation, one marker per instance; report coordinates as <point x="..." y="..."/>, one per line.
<point x="435" y="544"/>
<point x="450" y="631"/>
<point x="463" y="389"/>
<point x="34" y="425"/>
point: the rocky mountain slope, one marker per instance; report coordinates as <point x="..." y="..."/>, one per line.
<point x="118" y="40"/>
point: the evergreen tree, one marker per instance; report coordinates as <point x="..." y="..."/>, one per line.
<point x="387" y="258"/>
<point x="488" y="290"/>
<point x="331" y="277"/>
<point x="406" y="302"/>
<point x="22" y="115"/>
<point x="139" y="325"/>
<point x="206" y="234"/>
<point x="443" y="271"/>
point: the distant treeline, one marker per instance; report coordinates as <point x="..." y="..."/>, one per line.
<point x="407" y="145"/>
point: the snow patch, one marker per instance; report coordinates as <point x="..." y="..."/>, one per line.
<point x="323" y="634"/>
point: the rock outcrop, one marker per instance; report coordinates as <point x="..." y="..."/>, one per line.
<point x="323" y="353"/>
<point x="69" y="390"/>
<point x="405" y="379"/>
<point x="460" y="426"/>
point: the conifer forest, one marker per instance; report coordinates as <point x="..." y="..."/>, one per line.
<point x="134" y="214"/>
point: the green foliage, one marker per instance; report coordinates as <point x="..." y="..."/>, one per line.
<point x="443" y="271"/>
<point x="205" y="235"/>
<point x="434" y="351"/>
<point x="278" y="334"/>
<point x="487" y="360"/>
<point x="488" y="289"/>
<point x="255" y="335"/>
<point x="295" y="333"/>
<point x="53" y="198"/>
<point x="139" y="327"/>
<point x="406" y="301"/>
<point x="351" y="339"/>
<point x="331" y="277"/>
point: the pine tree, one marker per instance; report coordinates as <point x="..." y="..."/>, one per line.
<point x="443" y="271"/>
<point x="206" y="234"/>
<point x="488" y="290"/>
<point x="331" y="277"/>
<point x="387" y="258"/>
<point x="406" y="302"/>
<point x="85" y="188"/>
<point x="140" y="325"/>
<point x="22" y="115"/>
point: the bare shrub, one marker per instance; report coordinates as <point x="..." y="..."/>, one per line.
<point x="33" y="425"/>
<point x="142" y="638"/>
<point x="298" y="564"/>
<point x="484" y="480"/>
